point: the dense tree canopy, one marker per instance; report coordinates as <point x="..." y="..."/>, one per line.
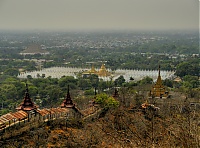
<point x="190" y="67"/>
<point x="106" y="101"/>
<point x="119" y="81"/>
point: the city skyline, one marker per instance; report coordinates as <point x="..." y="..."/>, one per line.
<point x="97" y="15"/>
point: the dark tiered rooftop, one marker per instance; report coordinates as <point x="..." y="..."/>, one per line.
<point x="27" y="104"/>
<point x="68" y="101"/>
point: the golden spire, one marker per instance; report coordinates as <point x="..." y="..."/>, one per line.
<point x="93" y="69"/>
<point x="159" y="80"/>
<point x="103" y="72"/>
<point x="158" y="90"/>
<point x="103" y="67"/>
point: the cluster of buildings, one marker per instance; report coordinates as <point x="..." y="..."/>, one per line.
<point x="103" y="73"/>
<point x="28" y="110"/>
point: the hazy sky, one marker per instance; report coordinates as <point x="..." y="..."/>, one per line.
<point x="99" y="14"/>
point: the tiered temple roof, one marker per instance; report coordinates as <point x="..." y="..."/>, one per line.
<point x="103" y="72"/>
<point x="27" y="104"/>
<point x="68" y="101"/>
<point x="91" y="71"/>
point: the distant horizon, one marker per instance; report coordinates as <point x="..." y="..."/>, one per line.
<point x="98" y="30"/>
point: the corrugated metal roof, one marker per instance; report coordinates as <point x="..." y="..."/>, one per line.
<point x="12" y="116"/>
<point x="23" y="113"/>
<point x="3" y="119"/>
<point x="20" y="115"/>
<point x="9" y="116"/>
<point x="45" y="111"/>
<point x="1" y="123"/>
<point x="64" y="109"/>
<point x="52" y="111"/>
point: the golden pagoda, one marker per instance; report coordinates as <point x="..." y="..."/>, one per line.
<point x="103" y="72"/>
<point x="158" y="90"/>
<point x="91" y="71"/>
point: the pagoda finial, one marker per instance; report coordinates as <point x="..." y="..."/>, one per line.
<point x="26" y="87"/>
<point x="27" y="93"/>
<point x="159" y="80"/>
<point x="95" y="91"/>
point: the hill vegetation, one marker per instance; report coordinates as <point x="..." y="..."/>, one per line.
<point x="118" y="127"/>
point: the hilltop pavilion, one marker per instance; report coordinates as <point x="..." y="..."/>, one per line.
<point x="67" y="103"/>
<point x="27" y="104"/>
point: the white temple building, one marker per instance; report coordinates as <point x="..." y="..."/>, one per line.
<point x="58" y="72"/>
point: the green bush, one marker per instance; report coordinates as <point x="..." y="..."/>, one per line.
<point x="105" y="101"/>
<point x="89" y="92"/>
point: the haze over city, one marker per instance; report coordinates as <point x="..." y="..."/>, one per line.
<point x="93" y="14"/>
